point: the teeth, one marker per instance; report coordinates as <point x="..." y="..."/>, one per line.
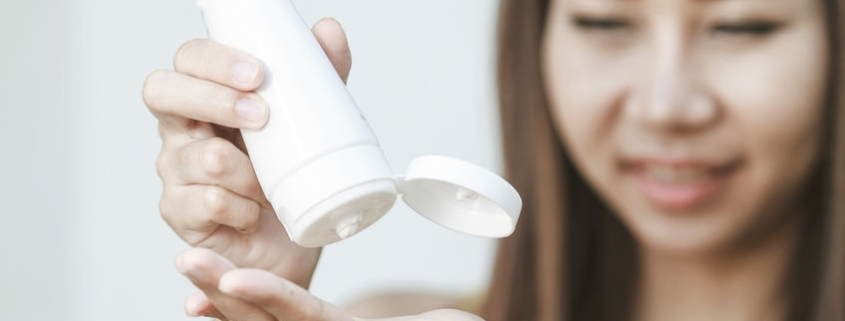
<point x="677" y="176"/>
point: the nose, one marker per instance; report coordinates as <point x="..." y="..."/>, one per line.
<point x="670" y="96"/>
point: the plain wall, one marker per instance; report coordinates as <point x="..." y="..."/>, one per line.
<point x="83" y="237"/>
<point x="34" y="256"/>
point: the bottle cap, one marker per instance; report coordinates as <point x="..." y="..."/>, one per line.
<point x="340" y="194"/>
<point x="461" y="196"/>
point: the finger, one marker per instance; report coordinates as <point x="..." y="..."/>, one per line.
<point x="210" y="60"/>
<point x="178" y="99"/>
<point x="204" y="268"/>
<point x="282" y="298"/>
<point x="434" y="315"/>
<point x="214" y="161"/>
<point x="195" y="211"/>
<point x="177" y="131"/>
<point x="332" y="38"/>
<point x="198" y="305"/>
<point x="447" y="314"/>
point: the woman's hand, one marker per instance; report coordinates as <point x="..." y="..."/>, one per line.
<point x="258" y="295"/>
<point x="211" y="196"/>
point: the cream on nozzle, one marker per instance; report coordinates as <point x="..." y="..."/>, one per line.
<point x="317" y="159"/>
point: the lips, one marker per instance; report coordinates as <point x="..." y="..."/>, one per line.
<point x="678" y="184"/>
<point x="676" y="176"/>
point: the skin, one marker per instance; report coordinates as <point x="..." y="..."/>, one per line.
<point x="671" y="82"/>
<point x="638" y="81"/>
<point x="243" y="261"/>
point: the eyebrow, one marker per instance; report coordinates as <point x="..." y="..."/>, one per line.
<point x="687" y="0"/>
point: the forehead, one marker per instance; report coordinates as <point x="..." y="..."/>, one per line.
<point x="695" y="1"/>
<point x="699" y="2"/>
<point x="783" y="6"/>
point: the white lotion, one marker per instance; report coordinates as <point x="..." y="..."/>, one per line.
<point x="317" y="159"/>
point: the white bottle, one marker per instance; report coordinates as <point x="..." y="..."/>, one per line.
<point x="318" y="161"/>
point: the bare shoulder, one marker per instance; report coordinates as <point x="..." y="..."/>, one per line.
<point x="391" y="304"/>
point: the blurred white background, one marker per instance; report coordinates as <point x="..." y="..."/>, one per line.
<point x="82" y="238"/>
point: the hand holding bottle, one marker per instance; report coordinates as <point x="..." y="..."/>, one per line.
<point x="211" y="197"/>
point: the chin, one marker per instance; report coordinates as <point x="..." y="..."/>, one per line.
<point x="692" y="234"/>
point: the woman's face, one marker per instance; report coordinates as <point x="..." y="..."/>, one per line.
<point x="698" y="121"/>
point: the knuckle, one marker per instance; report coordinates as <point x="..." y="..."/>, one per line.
<point x="162" y="164"/>
<point x="152" y="88"/>
<point x="254" y="213"/>
<point x="248" y="219"/>
<point x="165" y="207"/>
<point x="216" y="157"/>
<point x="224" y="100"/>
<point x="215" y="203"/>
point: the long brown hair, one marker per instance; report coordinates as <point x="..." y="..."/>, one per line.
<point x="570" y="258"/>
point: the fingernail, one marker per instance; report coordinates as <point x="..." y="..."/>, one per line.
<point x="189" y="270"/>
<point x="194" y="311"/>
<point x="227" y="286"/>
<point x="245" y="71"/>
<point x="251" y="111"/>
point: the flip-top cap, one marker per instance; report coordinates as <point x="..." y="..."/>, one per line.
<point x="461" y="196"/>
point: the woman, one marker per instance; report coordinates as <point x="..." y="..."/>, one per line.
<point x="679" y="159"/>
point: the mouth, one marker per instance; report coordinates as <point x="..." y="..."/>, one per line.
<point x="679" y="184"/>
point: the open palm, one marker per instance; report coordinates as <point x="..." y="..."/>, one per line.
<point x="258" y="295"/>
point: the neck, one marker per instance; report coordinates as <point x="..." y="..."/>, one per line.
<point x="738" y="287"/>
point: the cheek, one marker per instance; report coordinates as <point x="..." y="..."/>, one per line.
<point x="775" y="112"/>
<point x="771" y="114"/>
<point x="583" y="88"/>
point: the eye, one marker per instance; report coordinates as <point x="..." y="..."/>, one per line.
<point x="605" y="30"/>
<point x="601" y="24"/>
<point x="759" y="29"/>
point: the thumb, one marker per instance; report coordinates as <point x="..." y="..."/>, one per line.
<point x="332" y="38"/>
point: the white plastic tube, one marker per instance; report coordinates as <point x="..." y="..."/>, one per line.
<point x="317" y="159"/>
